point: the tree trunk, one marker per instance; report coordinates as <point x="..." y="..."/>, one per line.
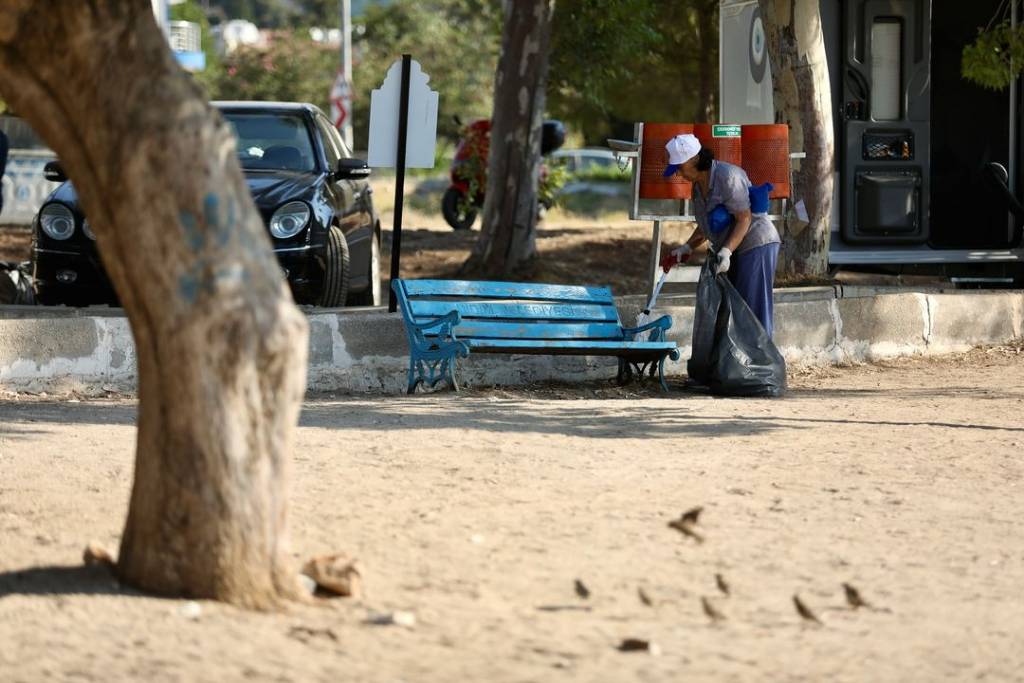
<point x="803" y="99"/>
<point x="707" y="31"/>
<point x="507" y="242"/>
<point x="221" y="348"/>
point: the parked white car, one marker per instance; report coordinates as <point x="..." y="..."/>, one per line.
<point x="585" y="159"/>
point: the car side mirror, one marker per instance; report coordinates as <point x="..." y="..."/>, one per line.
<point x="54" y="172"/>
<point x="351" y="169"/>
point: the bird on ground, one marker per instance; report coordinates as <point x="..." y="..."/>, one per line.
<point x="804" y="611"/>
<point x="853" y="598"/>
<point x="644" y="597"/>
<point x="692" y="515"/>
<point x="686" y="529"/>
<point x="582" y="590"/>
<point x="711" y="611"/>
<point x="722" y="585"/>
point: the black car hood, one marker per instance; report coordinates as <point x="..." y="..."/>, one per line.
<point x="269" y="190"/>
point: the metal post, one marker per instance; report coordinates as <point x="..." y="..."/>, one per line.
<point x="346" y="68"/>
<point x="652" y="268"/>
<point x="403" y="130"/>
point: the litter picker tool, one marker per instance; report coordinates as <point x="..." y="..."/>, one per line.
<point x="645" y="315"/>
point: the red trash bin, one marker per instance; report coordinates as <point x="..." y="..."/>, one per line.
<point x="766" y="156"/>
<point x="726" y="148"/>
<point x="654" y="159"/>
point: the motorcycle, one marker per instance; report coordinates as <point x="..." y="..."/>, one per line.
<point x="468" y="171"/>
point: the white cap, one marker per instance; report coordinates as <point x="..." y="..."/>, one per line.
<point x="681" y="149"/>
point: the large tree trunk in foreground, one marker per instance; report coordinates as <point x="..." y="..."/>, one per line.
<point x="507" y="240"/>
<point x="221" y="348"/>
<point x="803" y="99"/>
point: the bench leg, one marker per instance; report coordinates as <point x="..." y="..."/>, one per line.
<point x="431" y="372"/>
<point x="415" y="375"/>
<point x="625" y="373"/>
<point x="661" y="374"/>
<point x="449" y="373"/>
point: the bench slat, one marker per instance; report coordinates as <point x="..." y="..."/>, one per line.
<point x="503" y="330"/>
<point x="572" y="347"/>
<point x="507" y="290"/>
<point x="509" y="310"/>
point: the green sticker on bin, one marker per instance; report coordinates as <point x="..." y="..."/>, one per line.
<point x="722" y="131"/>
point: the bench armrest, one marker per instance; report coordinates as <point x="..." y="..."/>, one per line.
<point x="659" y="327"/>
<point x="452" y="318"/>
<point x="445" y="337"/>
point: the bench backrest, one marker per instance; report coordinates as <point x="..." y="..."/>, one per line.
<point x="513" y="310"/>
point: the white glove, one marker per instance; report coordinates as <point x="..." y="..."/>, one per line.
<point x="724" y="260"/>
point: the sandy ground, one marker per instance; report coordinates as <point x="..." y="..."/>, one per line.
<point x="477" y="513"/>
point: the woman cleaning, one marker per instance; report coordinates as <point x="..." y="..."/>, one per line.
<point x="746" y="244"/>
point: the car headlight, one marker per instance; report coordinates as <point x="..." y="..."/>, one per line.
<point x="57" y="220"/>
<point x="289" y="220"/>
<point x="88" y="230"/>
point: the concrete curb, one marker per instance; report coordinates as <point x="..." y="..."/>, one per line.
<point x="364" y="350"/>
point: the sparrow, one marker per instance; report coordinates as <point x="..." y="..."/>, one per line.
<point x="637" y="645"/>
<point x="722" y="585"/>
<point x="582" y="590"/>
<point x="710" y="610"/>
<point x="644" y="597"/>
<point x="853" y="597"/>
<point x="686" y="529"/>
<point x="804" y="611"/>
<point x="692" y="515"/>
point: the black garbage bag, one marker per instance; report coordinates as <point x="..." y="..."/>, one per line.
<point x="16" y="284"/>
<point x="732" y="353"/>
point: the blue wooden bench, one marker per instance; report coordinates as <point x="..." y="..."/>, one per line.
<point x="447" y="319"/>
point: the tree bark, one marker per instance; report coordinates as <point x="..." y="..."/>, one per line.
<point x="507" y="242"/>
<point x="221" y="348"/>
<point x="803" y="100"/>
<point x="707" y="31"/>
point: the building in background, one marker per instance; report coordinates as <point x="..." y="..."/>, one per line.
<point x="184" y="37"/>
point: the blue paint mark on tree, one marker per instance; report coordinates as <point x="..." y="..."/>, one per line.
<point x="205" y="239"/>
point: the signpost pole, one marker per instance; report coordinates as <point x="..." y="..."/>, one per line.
<point x="346" y="69"/>
<point x="403" y="129"/>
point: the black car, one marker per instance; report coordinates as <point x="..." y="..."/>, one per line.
<point x="313" y="196"/>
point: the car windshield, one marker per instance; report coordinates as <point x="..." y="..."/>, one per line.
<point x="272" y="142"/>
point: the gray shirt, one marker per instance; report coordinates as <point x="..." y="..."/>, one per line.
<point x="728" y="184"/>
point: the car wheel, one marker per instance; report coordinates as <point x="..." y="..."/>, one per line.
<point x="336" y="270"/>
<point x="371" y="296"/>
<point x="450" y="209"/>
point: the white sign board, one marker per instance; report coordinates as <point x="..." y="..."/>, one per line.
<point x="422" y="131"/>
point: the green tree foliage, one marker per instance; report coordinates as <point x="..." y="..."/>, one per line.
<point x="263" y="13"/>
<point x="614" y="62"/>
<point x="317" y="13"/>
<point x="996" y="57"/>
<point x="597" y="46"/>
<point x="293" y="68"/>
<point x="456" y="42"/>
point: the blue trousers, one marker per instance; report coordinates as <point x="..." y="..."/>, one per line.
<point x="753" y="275"/>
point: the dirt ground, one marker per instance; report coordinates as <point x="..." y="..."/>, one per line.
<point x="477" y="513"/>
